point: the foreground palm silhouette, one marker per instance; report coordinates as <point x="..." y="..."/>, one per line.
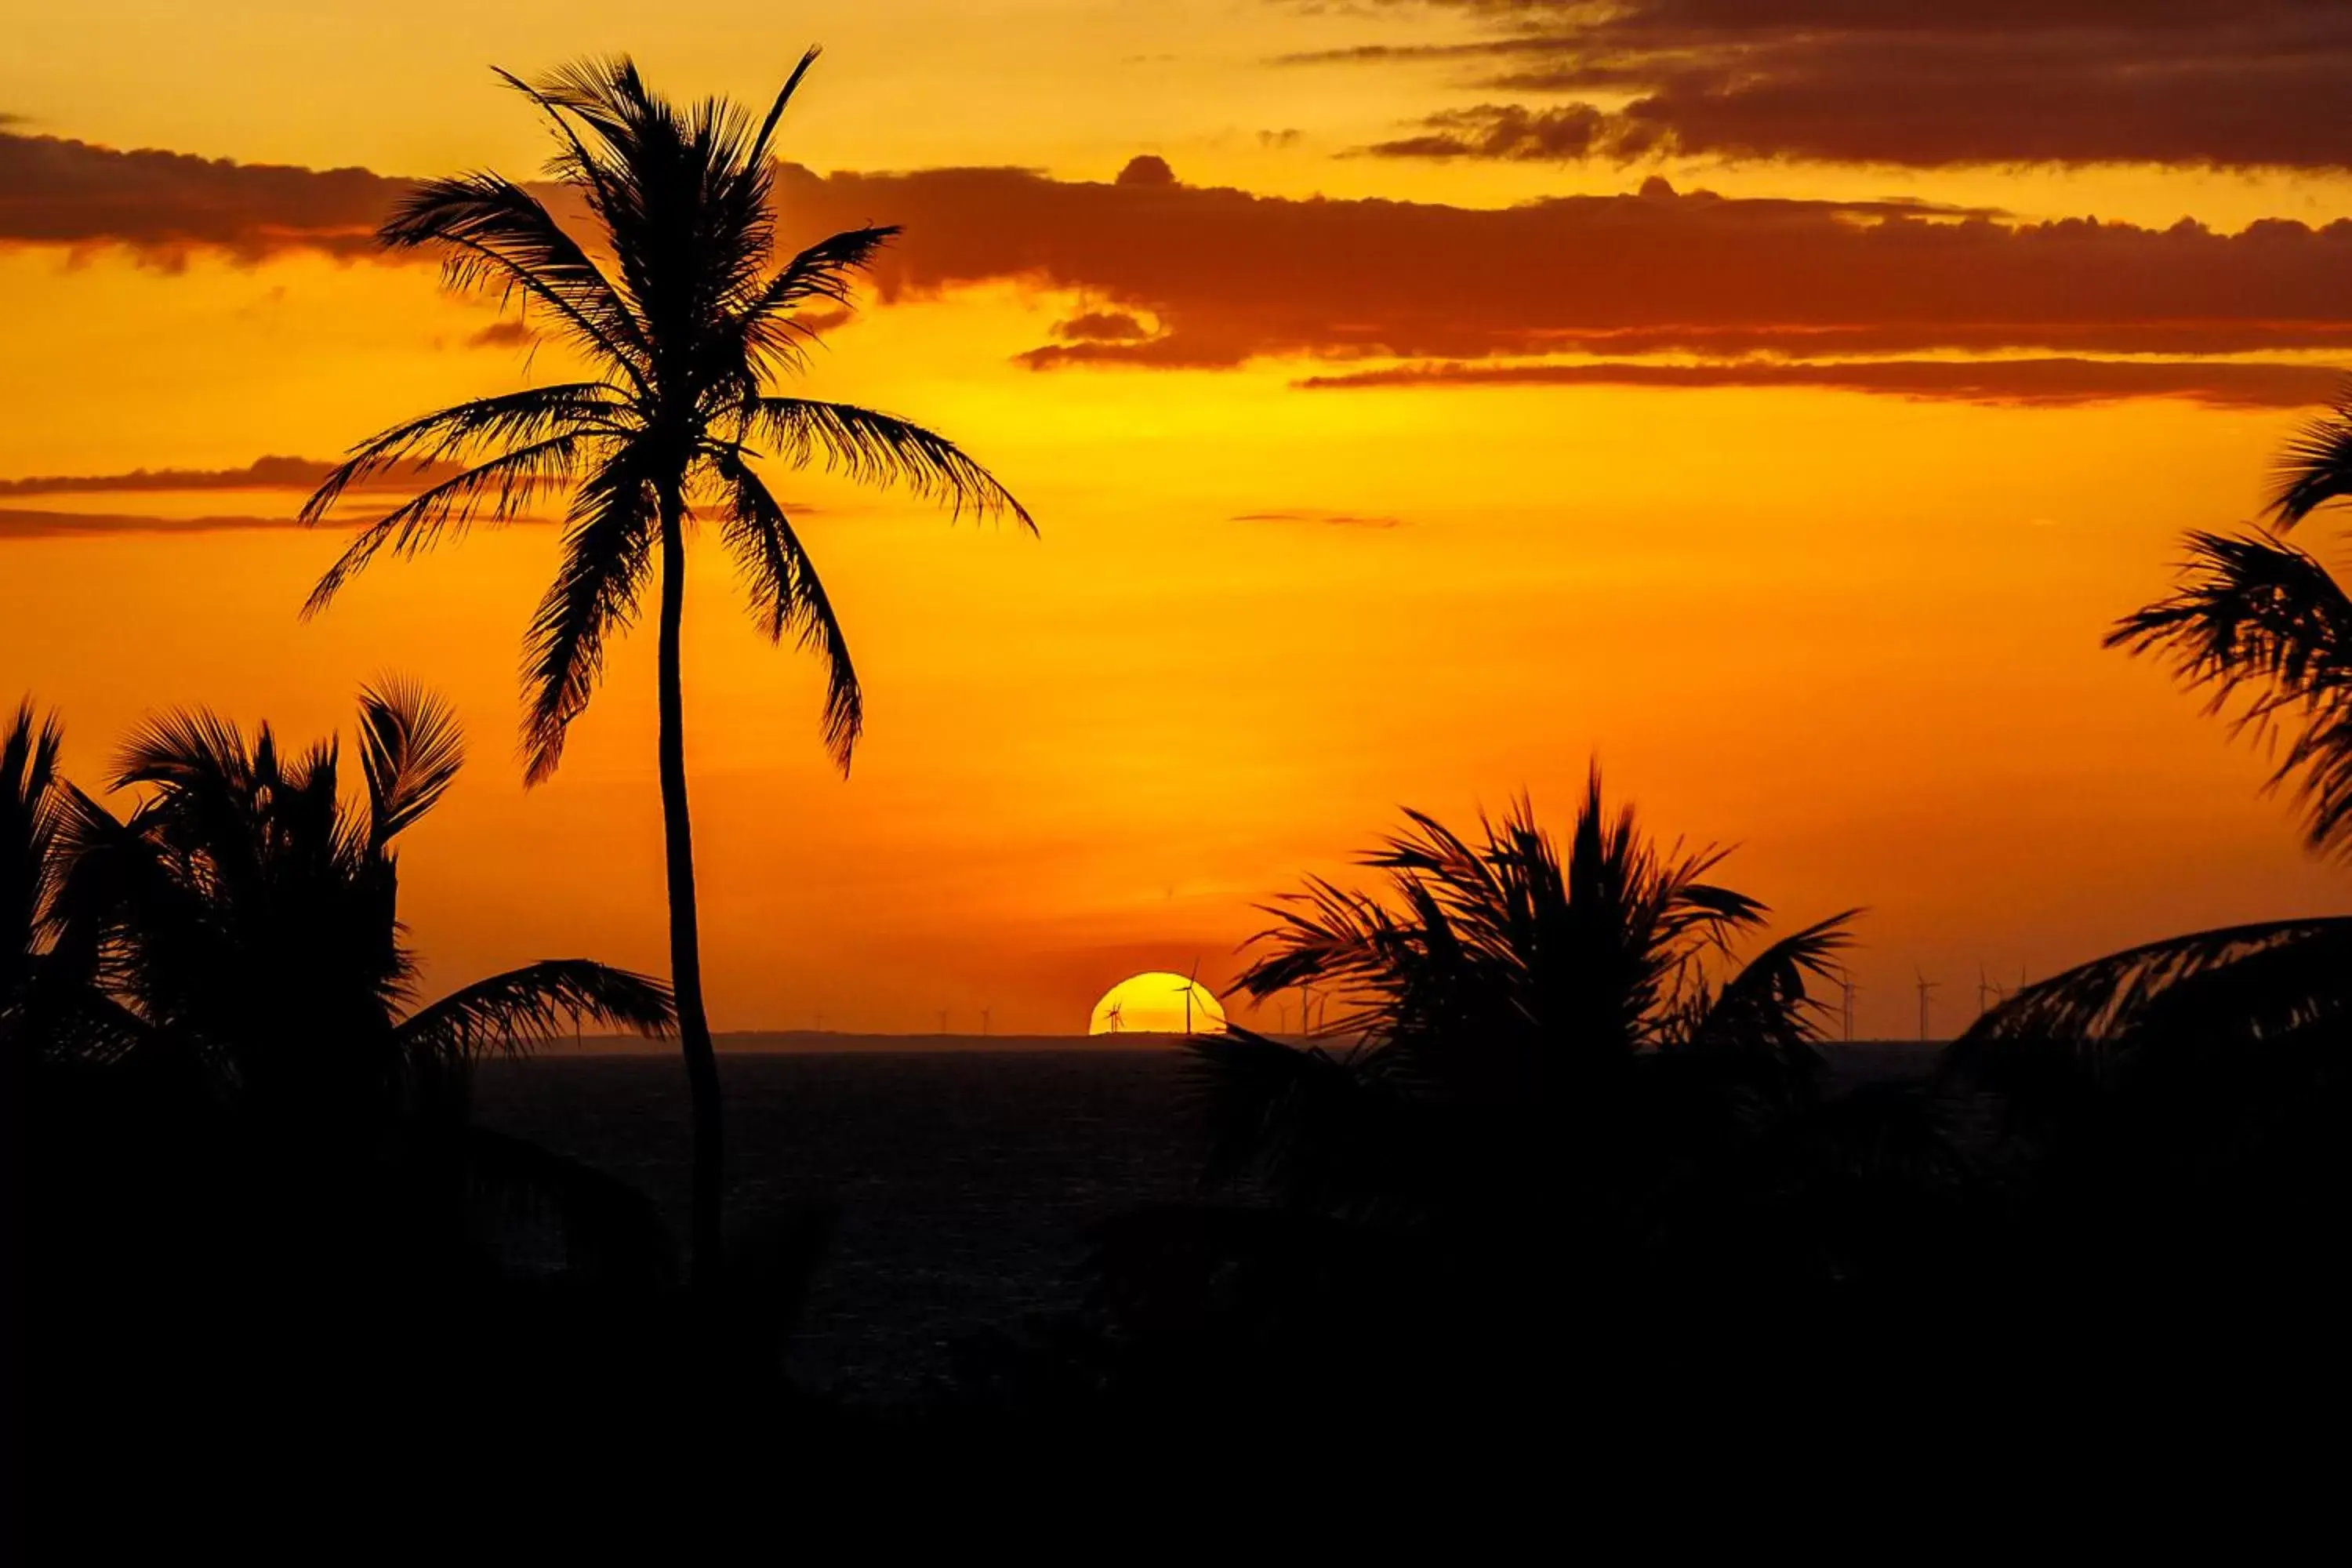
<point x="2206" y="1047"/>
<point x="2257" y="614"/>
<point x="32" y="816"/>
<point x="1523" y="1020"/>
<point x="683" y="337"/>
<point x="245" y="922"/>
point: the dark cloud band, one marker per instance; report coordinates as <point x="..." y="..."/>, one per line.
<point x="2034" y="383"/>
<point x="1924" y="83"/>
<point x="1178" y="276"/>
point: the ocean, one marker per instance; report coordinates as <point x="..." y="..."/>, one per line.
<point x="961" y="1175"/>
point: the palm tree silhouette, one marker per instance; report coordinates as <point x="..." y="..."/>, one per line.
<point x="2199" y="1058"/>
<point x="683" y="336"/>
<point x="247" y="917"/>
<point x="32" y="816"/>
<point x="1496" y="986"/>
<point x="2258" y="613"/>
<point x="2253" y="613"/>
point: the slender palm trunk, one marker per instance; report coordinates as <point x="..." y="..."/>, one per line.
<point x="685" y="938"/>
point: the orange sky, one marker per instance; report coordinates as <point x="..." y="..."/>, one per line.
<point x="1856" y="633"/>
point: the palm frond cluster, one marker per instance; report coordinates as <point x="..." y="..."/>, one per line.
<point x="216" y="1000"/>
<point x="1520" y="1021"/>
<point x="2264" y="627"/>
<point x="238" y="929"/>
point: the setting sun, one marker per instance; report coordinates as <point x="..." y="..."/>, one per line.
<point x="1157" y="1003"/>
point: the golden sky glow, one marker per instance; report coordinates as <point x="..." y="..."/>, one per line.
<point x="1856" y="634"/>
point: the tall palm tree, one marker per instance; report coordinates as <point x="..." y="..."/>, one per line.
<point x="247" y="916"/>
<point x="2257" y="614"/>
<point x="675" y="308"/>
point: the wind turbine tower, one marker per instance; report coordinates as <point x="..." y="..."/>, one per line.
<point x="1989" y="992"/>
<point x="1192" y="984"/>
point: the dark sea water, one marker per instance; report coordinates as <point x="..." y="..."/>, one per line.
<point x="961" y="1185"/>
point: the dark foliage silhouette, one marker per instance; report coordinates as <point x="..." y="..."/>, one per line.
<point x="228" y="963"/>
<point x="2174" y="1109"/>
<point x="2171" y="1115"/>
<point x="1525" y="1022"/>
<point x="674" y="305"/>
<point x="247" y="917"/>
<point x="2259" y="616"/>
<point x="31" y="818"/>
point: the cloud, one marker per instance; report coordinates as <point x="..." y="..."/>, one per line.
<point x="1187" y="277"/>
<point x="512" y="334"/>
<point x="1328" y="519"/>
<point x="262" y="474"/>
<point x="1102" y="326"/>
<point x="1146" y="169"/>
<point x="17" y="523"/>
<point x="59" y="192"/>
<point x="2030" y="382"/>
<point x="1228" y="276"/>
<point x="1926" y="83"/>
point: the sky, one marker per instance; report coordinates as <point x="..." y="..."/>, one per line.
<point x="1773" y="400"/>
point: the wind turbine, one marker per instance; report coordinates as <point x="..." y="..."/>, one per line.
<point x="943" y="1020"/>
<point x="983" y="1022"/>
<point x="1847" y="987"/>
<point x="1192" y="984"/>
<point x="1115" y="1019"/>
<point x="1927" y="988"/>
<point x="1987" y="986"/>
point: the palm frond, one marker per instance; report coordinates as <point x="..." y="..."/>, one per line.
<point x="606" y="545"/>
<point x="496" y="492"/>
<point x="524" y="1008"/>
<point x="879" y="450"/>
<point x="1766" y="1004"/>
<point x="758" y="148"/>
<point x="467" y="429"/>
<point x="193" y="749"/>
<point x="495" y="232"/>
<point x="2316" y="466"/>
<point x="790" y="597"/>
<point x="2260" y="616"/>
<point x="826" y="272"/>
<point x="410" y="749"/>
<point x="2238" y="983"/>
<point x="31" y="866"/>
